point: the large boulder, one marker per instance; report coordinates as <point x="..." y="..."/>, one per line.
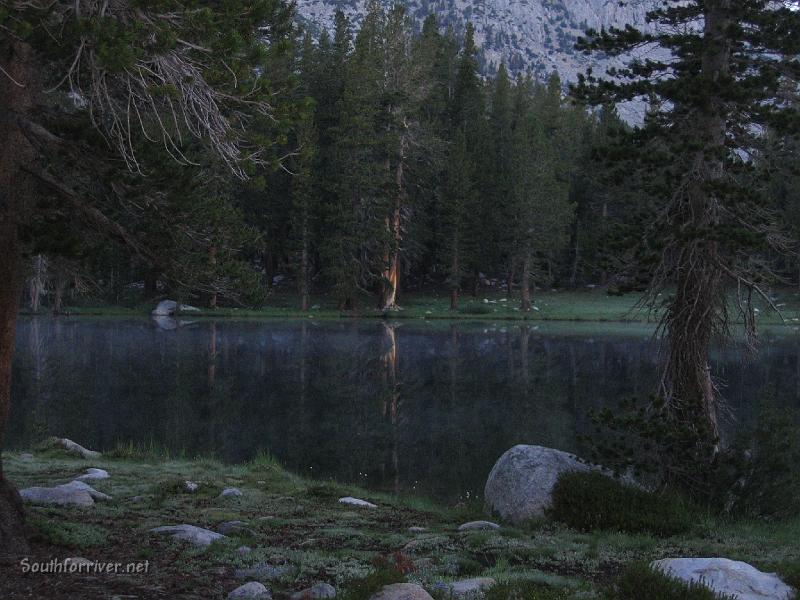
<point x="725" y="576"/>
<point x="402" y="591"/>
<point x="520" y="485"/>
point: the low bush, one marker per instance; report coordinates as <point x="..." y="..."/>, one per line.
<point x="591" y="501"/>
<point x="640" y="581"/>
<point x="527" y="590"/>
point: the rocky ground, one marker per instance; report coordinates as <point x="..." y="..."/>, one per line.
<point x="257" y="524"/>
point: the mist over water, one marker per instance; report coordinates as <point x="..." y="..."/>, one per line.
<point x="409" y="406"/>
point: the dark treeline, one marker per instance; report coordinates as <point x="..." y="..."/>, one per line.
<point x="395" y="166"/>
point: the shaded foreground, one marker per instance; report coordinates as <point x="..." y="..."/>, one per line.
<point x="299" y="534"/>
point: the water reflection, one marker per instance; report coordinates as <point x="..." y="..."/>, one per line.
<point x="398" y="406"/>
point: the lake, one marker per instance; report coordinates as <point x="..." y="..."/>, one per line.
<point x="410" y="406"/>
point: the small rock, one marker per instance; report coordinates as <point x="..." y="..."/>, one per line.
<point x="165" y="308"/>
<point x="190" y="486"/>
<point x="402" y="591"/>
<point x="243" y="550"/>
<point x="250" y="591"/>
<point x="724" y="576"/>
<point x="264" y="571"/>
<point x="356" y="502"/>
<point x="234" y="528"/>
<point x="76" y="448"/>
<point x="417" y="529"/>
<point x="26" y="457"/>
<point x="196" y="535"/>
<point x="231" y="493"/>
<point x="478" y="526"/>
<point x="319" y="590"/>
<point x="94" y="474"/>
<point x="136" y="498"/>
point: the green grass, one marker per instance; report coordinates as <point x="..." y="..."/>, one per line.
<point x="299" y="521"/>
<point x="587" y="305"/>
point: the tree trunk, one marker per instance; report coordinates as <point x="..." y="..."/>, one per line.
<point x="392" y="276"/>
<point x="17" y="190"/>
<point x="304" y="295"/>
<point x="455" y="279"/>
<point x="699" y="294"/>
<point x="525" y="284"/>
<point x="212" y="263"/>
<point x="36" y="288"/>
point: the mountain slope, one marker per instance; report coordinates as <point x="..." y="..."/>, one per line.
<point x="527" y="34"/>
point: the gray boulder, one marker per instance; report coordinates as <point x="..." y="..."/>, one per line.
<point x="724" y="576"/>
<point x="71" y="446"/>
<point x="319" y="590"/>
<point x="190" y="486"/>
<point x="56" y="495"/>
<point x="235" y="528"/>
<point x="85" y="487"/>
<point x="167" y="308"/>
<point x="478" y="526"/>
<point x="75" y="493"/>
<point x="520" y="485"/>
<point x="250" y="591"/>
<point x="190" y="533"/>
<point x="231" y="492"/>
<point x="356" y="502"/>
<point x="94" y="474"/>
<point x="402" y="591"/>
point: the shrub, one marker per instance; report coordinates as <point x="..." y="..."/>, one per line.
<point x="527" y="590"/>
<point x="640" y="581"/>
<point x="589" y="501"/>
<point x="761" y="474"/>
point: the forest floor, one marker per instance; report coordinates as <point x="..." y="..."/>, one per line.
<point x="562" y="305"/>
<point x="298" y="528"/>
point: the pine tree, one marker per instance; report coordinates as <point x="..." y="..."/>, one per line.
<point x="182" y="75"/>
<point x="710" y="102"/>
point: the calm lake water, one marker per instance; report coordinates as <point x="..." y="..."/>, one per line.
<point x="411" y="406"/>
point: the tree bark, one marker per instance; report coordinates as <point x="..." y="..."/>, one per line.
<point x="392" y="275"/>
<point x="699" y="293"/>
<point x="17" y="190"/>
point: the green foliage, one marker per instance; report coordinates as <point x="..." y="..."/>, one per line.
<point x="640" y="581"/>
<point x="760" y="474"/>
<point x="527" y="590"/>
<point x="68" y="534"/>
<point x="592" y="501"/>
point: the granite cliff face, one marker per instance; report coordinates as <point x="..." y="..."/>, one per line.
<point x="527" y="34"/>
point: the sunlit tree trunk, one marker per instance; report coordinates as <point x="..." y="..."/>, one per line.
<point x="17" y="190"/>
<point x="391" y="276"/>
